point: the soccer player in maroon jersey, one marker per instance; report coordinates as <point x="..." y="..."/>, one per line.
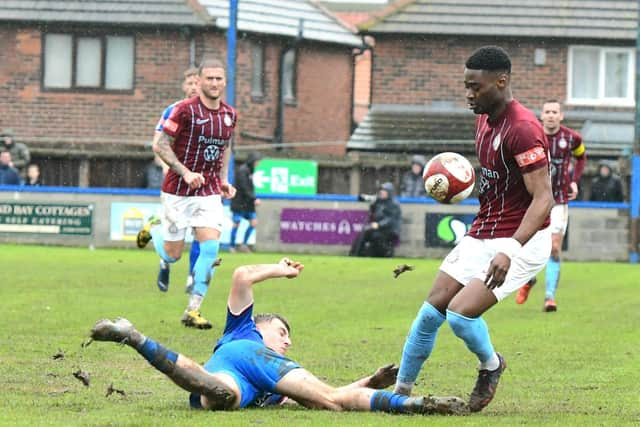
<point x="509" y="241"/>
<point x="564" y="144"/>
<point x="195" y="144"/>
<point x="190" y="89"/>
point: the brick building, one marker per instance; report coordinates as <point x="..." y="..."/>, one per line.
<point x="83" y="83"/>
<point x="582" y="53"/>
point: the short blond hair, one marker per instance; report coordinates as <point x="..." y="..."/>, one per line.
<point x="192" y="71"/>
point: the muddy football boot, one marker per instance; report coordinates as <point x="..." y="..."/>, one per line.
<point x="486" y="386"/>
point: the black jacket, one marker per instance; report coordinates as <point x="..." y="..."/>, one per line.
<point x="387" y="213"/>
<point x="245" y="198"/>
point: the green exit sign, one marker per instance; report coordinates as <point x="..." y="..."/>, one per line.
<point x="278" y="176"/>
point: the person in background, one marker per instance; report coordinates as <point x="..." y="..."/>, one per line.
<point x="606" y="187"/>
<point x="158" y="169"/>
<point x="8" y="175"/>
<point x="383" y="230"/>
<point x="412" y="184"/>
<point x="33" y="175"/>
<point x="565" y="145"/>
<point x="154" y="173"/>
<point x="20" y="155"/>
<point x="196" y="145"/>
<point x="243" y="205"/>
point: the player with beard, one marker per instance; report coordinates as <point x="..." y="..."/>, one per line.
<point x="509" y="240"/>
<point x="564" y="144"/>
<point x="195" y="144"/>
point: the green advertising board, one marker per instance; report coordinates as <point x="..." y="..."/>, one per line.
<point x="45" y="218"/>
<point x="280" y="176"/>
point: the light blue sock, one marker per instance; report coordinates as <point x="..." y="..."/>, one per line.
<point x="552" y="277"/>
<point x="474" y="333"/>
<point x="419" y="342"/>
<point x="386" y="401"/>
<point x="234" y="233"/>
<point x="203" y="269"/>
<point x="157" y="237"/>
<point x="247" y="234"/>
<point x="193" y="255"/>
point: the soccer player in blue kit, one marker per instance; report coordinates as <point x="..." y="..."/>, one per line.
<point x="249" y="367"/>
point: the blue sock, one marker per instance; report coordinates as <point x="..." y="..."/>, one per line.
<point x="203" y="269"/>
<point x="419" y="342"/>
<point x="386" y="401"/>
<point x="474" y="333"/>
<point x="193" y="255"/>
<point x="247" y="234"/>
<point x="157" y="237"/>
<point x="234" y="233"/>
<point x="160" y="358"/>
<point x="552" y="277"/>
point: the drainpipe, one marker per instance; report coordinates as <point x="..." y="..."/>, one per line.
<point x="278" y="136"/>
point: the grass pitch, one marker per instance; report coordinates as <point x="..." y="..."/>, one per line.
<point x="578" y="366"/>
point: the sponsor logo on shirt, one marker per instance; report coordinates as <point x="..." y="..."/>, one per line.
<point x="530" y="156"/>
<point x="211" y="140"/>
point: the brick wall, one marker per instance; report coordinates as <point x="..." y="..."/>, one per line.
<point x="419" y="70"/>
<point x="88" y="117"/>
<point x="324" y="89"/>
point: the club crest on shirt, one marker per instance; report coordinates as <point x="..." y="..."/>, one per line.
<point x="496" y="142"/>
<point x="227" y="120"/>
<point x="562" y="143"/>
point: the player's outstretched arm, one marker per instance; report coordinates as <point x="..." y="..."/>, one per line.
<point x="241" y="294"/>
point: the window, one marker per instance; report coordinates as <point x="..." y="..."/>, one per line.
<point x="601" y="76"/>
<point x="289" y="76"/>
<point x="95" y="62"/>
<point x="257" y="70"/>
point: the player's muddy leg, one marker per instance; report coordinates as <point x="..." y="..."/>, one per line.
<point x="220" y="393"/>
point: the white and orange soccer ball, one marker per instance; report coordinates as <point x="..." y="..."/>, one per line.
<point x="449" y="178"/>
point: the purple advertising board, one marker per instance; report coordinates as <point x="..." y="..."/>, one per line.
<point x="321" y="226"/>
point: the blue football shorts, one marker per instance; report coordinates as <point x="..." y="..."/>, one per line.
<point x="238" y="216"/>
<point x="255" y="368"/>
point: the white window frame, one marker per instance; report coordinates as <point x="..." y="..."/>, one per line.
<point x="628" y="101"/>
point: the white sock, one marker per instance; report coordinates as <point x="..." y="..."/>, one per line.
<point x="195" y="301"/>
<point x="492" y="364"/>
<point x="403" y="388"/>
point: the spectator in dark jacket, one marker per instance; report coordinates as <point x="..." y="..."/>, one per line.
<point x="8" y="175"/>
<point x="20" y="155"/>
<point x="412" y="184"/>
<point x="606" y="187"/>
<point x="379" y="237"/>
<point x="243" y="205"/>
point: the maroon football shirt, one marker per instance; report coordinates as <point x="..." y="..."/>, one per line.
<point x="563" y="145"/>
<point x="511" y="146"/>
<point x="200" y="137"/>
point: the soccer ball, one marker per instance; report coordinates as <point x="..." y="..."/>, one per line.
<point x="449" y="178"/>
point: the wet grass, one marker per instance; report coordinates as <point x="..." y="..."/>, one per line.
<point x="578" y="366"/>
